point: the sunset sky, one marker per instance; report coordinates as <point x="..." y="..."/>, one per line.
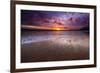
<point x="54" y="20"/>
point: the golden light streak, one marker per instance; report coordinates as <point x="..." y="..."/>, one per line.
<point x="57" y="29"/>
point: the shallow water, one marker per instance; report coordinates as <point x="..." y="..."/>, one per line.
<point x="37" y="36"/>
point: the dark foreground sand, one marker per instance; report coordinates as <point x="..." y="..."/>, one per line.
<point x="55" y="50"/>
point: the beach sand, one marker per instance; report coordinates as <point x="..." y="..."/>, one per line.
<point x="56" y="49"/>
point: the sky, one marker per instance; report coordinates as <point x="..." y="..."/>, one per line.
<point x="54" y="19"/>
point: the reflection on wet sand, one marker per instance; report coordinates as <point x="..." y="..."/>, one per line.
<point x="38" y="46"/>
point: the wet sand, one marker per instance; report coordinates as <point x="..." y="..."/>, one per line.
<point x="59" y="47"/>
